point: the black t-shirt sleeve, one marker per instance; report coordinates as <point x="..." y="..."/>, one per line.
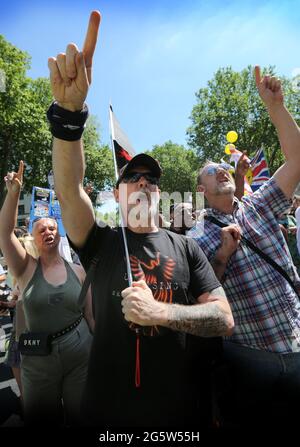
<point x="202" y="276"/>
<point x="96" y="238"/>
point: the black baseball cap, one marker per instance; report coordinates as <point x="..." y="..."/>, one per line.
<point x="140" y="160"/>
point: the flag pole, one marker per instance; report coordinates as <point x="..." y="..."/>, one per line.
<point x="135" y="327"/>
<point x="112" y="137"/>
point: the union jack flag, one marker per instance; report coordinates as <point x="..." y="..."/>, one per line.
<point x="260" y="170"/>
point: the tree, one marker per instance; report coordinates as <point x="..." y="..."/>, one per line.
<point x="179" y="166"/>
<point x="110" y="218"/>
<point x="99" y="159"/>
<point x="231" y="102"/>
<point x="24" y="131"/>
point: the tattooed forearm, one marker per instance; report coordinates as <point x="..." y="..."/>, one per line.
<point x="204" y="320"/>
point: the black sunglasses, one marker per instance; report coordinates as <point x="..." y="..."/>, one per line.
<point x="133" y="177"/>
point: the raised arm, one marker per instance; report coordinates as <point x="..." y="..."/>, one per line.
<point x="70" y="76"/>
<point x="15" y="255"/>
<point x="241" y="169"/>
<point x="270" y="90"/>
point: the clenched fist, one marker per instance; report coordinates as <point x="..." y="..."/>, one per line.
<point x="140" y="307"/>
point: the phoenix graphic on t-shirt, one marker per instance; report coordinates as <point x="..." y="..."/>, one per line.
<point x="157" y="272"/>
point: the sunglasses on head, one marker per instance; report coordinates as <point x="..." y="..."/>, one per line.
<point x="133" y="177"/>
<point x="213" y="169"/>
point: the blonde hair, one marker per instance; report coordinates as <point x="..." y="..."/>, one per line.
<point x="29" y="245"/>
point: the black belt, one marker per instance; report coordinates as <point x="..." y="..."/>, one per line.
<point x="66" y="329"/>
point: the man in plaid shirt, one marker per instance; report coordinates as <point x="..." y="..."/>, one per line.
<point x="263" y="353"/>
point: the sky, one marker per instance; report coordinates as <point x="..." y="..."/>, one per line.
<point x="152" y="57"/>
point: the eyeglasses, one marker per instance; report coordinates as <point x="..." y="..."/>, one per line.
<point x="213" y="169"/>
<point x="133" y="177"/>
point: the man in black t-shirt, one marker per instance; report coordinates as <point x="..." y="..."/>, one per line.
<point x="141" y="369"/>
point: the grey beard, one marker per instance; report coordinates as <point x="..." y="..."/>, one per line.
<point x="228" y="189"/>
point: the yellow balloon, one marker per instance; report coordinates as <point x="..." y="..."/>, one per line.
<point x="228" y="147"/>
<point x="232" y="136"/>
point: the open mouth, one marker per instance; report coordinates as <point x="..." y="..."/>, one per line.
<point x="223" y="179"/>
<point x="223" y="182"/>
<point x="49" y="239"/>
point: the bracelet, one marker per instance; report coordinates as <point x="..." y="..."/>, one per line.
<point x="67" y="125"/>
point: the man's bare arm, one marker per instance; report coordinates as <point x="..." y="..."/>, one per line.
<point x="219" y="264"/>
<point x="240" y="171"/>
<point x="70" y="76"/>
<point x="270" y="90"/>
<point x="210" y="318"/>
<point x="77" y="210"/>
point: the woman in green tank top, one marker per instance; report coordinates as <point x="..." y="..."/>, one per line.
<point x="52" y="384"/>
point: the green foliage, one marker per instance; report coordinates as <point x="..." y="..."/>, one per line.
<point x="179" y="166"/>
<point x="110" y="218"/>
<point x="24" y="133"/>
<point x="231" y="102"/>
<point x="99" y="160"/>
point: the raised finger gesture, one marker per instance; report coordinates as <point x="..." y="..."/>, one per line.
<point x="71" y="72"/>
<point x="269" y="88"/>
<point x="243" y="164"/>
<point x="14" y="180"/>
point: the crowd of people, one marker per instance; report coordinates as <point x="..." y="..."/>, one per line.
<point x="197" y="324"/>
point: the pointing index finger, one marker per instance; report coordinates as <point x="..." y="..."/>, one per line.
<point x="21" y="169"/>
<point x="257" y="75"/>
<point x="91" y="40"/>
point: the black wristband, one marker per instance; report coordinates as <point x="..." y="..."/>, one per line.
<point x="67" y="125"/>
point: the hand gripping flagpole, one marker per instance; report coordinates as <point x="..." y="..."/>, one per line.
<point x="112" y="138"/>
